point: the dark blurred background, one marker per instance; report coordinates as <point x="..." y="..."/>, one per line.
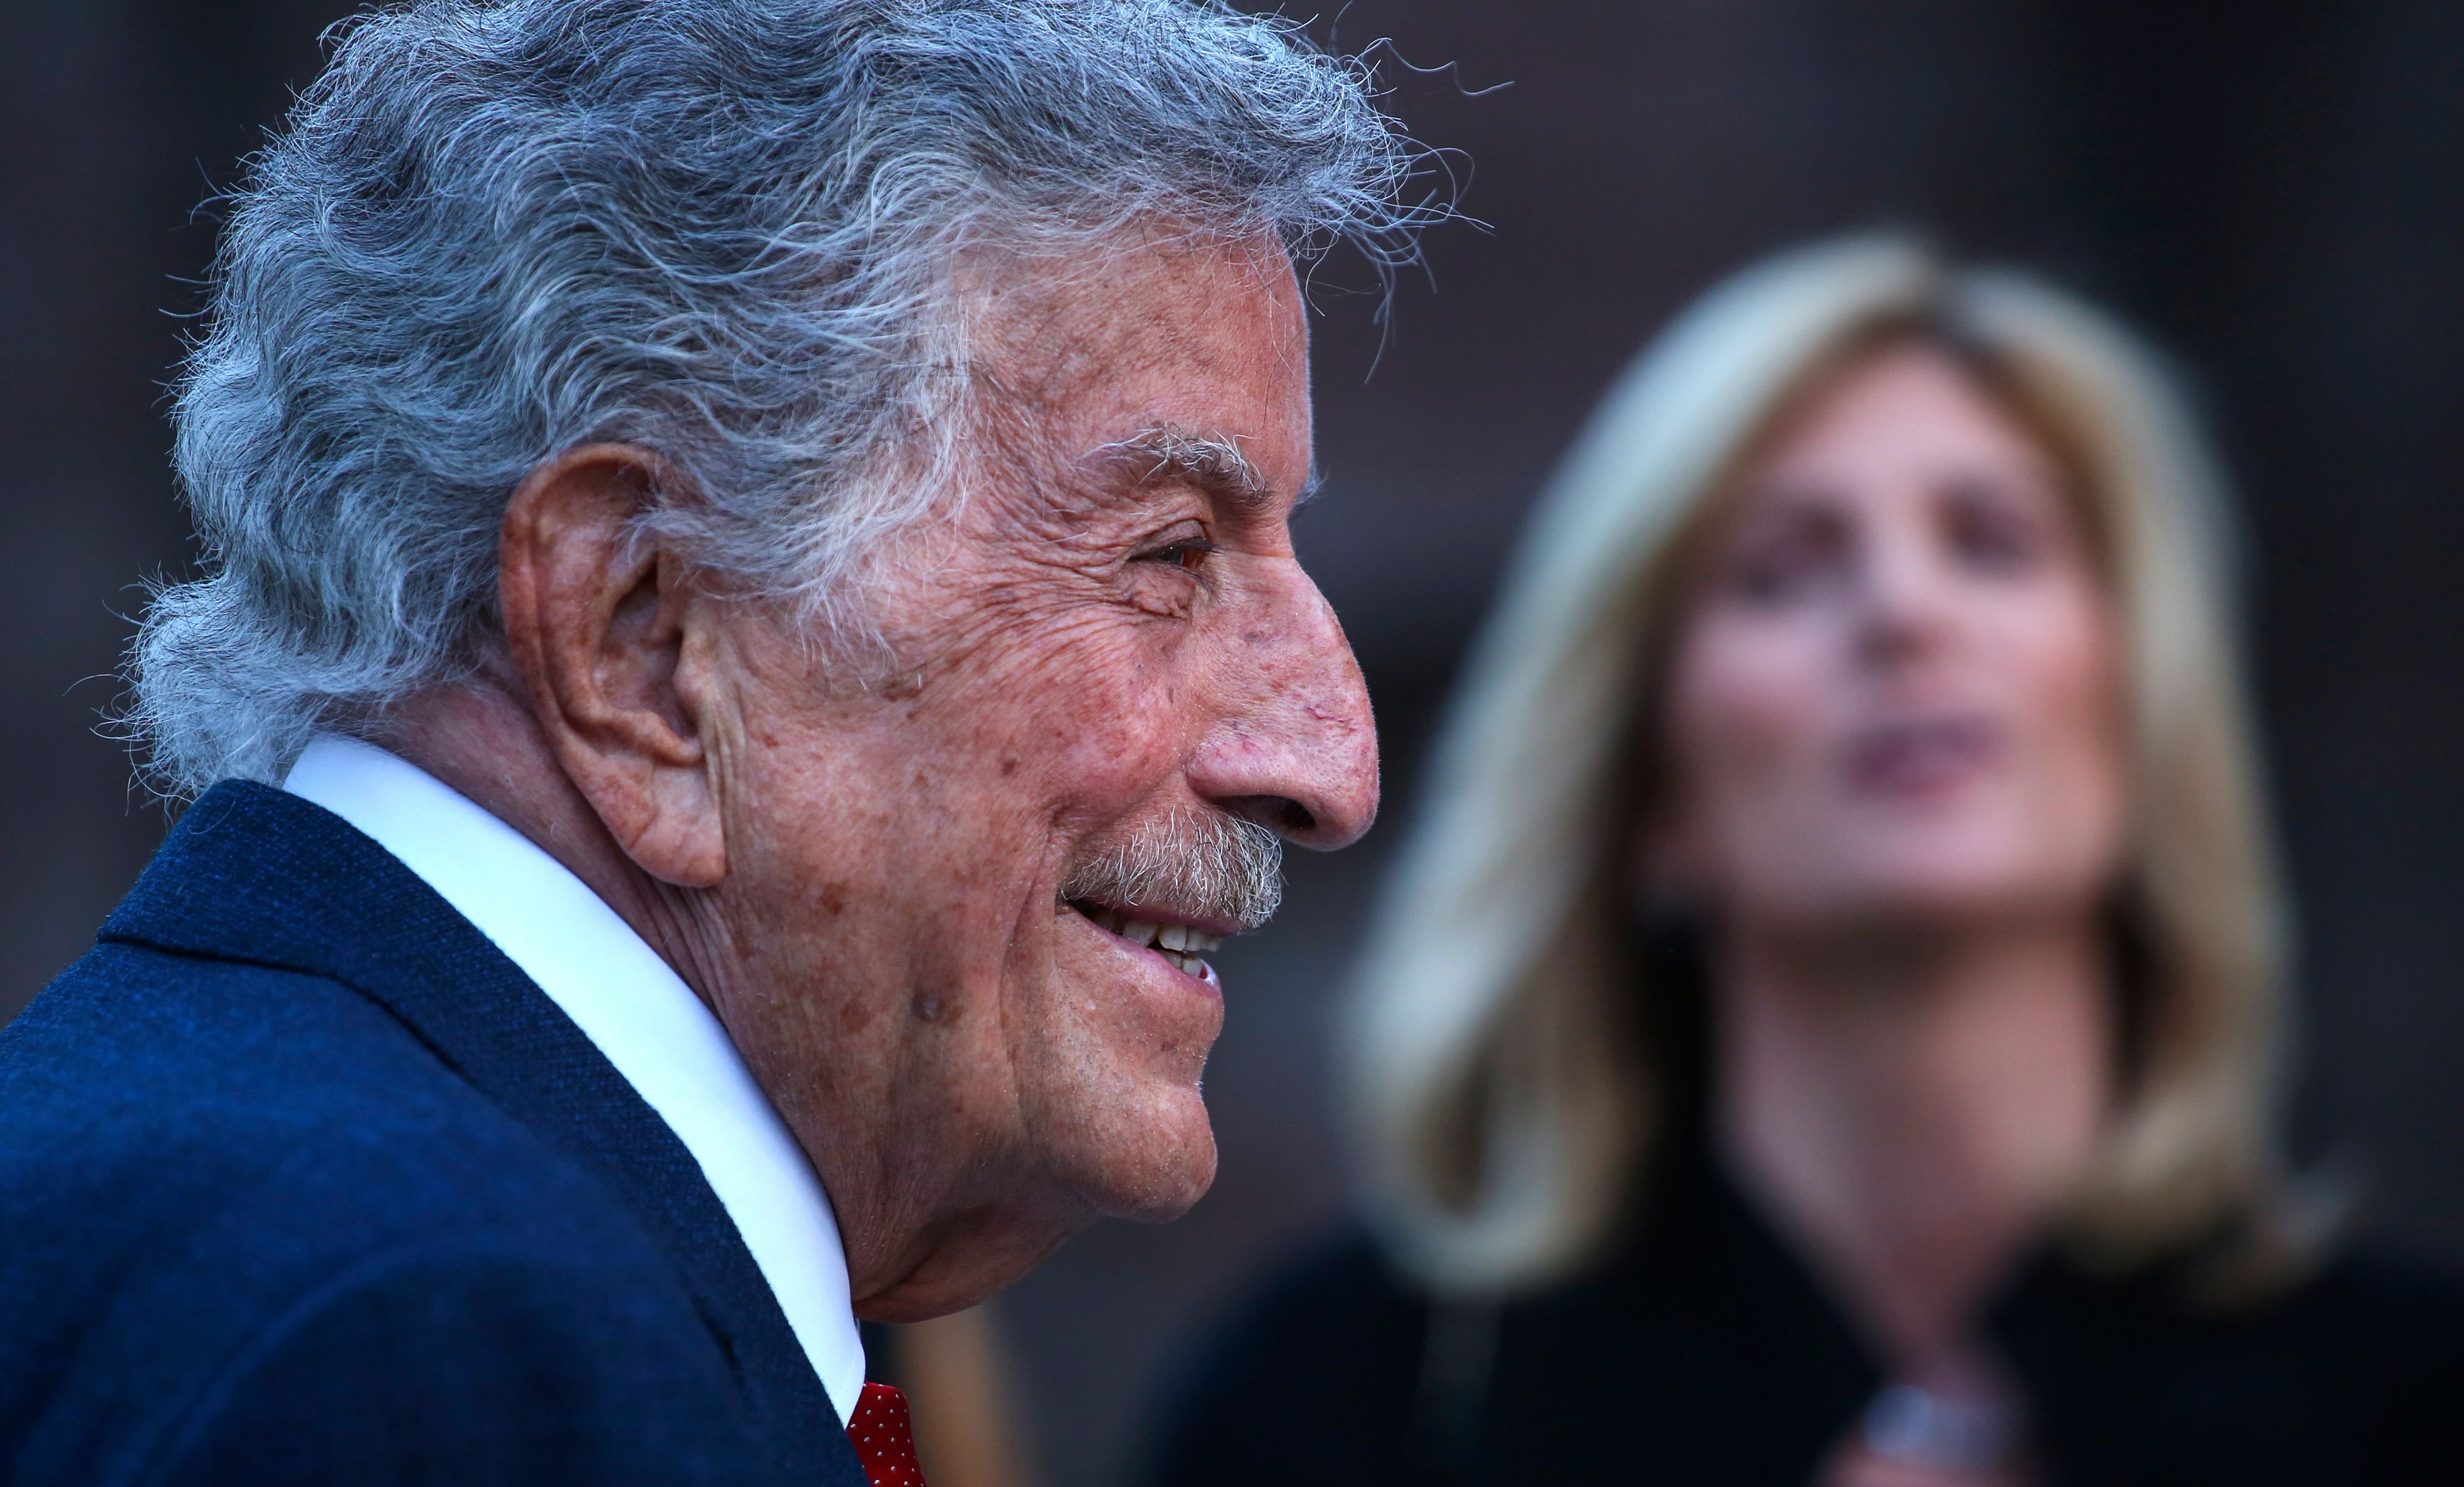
<point x="2274" y="189"/>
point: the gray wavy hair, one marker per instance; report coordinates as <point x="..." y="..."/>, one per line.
<point x="721" y="230"/>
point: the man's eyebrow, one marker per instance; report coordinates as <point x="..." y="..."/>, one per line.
<point x="1212" y="462"/>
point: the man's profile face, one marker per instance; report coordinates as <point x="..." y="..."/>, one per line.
<point x="1109" y="640"/>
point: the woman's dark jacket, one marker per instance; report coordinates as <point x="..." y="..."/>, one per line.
<point x="1705" y="1353"/>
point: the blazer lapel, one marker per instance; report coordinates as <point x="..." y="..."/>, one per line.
<point x="253" y="874"/>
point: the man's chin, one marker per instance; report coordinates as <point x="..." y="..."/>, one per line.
<point x="1163" y="1206"/>
<point x="1153" y="1169"/>
<point x="1111" y="1102"/>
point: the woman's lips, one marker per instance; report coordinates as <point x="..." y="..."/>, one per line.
<point x="1921" y="756"/>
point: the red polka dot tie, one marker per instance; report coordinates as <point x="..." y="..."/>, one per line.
<point x="883" y="1441"/>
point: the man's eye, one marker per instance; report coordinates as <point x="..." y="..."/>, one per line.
<point x="1191" y="554"/>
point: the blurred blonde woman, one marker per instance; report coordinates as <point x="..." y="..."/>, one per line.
<point x="1826" y="1027"/>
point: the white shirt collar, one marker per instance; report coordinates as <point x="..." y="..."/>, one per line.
<point x="633" y="1008"/>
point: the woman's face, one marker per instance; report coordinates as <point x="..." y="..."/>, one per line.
<point x="1894" y="696"/>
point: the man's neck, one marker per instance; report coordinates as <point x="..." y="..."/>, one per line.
<point x="1911" y="1106"/>
<point x="486" y="746"/>
<point x="903" y="1226"/>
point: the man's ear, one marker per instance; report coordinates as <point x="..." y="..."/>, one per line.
<point x="605" y="629"/>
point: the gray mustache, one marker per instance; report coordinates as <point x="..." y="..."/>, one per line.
<point x="1212" y="866"/>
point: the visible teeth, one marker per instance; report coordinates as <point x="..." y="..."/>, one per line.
<point x="1182" y="940"/>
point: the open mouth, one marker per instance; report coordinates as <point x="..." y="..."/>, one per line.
<point x="1181" y="945"/>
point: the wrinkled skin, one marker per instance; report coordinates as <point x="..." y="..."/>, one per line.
<point x="859" y="870"/>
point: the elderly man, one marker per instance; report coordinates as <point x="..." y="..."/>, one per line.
<point x="753" y="647"/>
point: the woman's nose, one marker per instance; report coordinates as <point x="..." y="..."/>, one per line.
<point x="1903" y="600"/>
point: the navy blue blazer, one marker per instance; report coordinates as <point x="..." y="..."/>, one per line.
<point x="301" y="1181"/>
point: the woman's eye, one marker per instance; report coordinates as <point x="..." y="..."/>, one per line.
<point x="1775" y="567"/>
<point x="1771" y="575"/>
<point x="1989" y="535"/>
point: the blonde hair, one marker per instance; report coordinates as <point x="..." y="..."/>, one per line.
<point x="1502" y="1091"/>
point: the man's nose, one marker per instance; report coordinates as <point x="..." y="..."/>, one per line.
<point x="1297" y="750"/>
